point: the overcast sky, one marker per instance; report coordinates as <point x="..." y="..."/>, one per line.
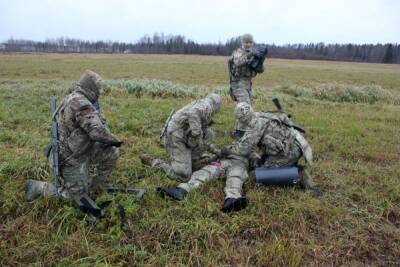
<point x="280" y="22"/>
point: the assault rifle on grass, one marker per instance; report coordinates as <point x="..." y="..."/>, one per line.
<point x="84" y="202"/>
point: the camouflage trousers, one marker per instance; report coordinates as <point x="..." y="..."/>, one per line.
<point x="183" y="159"/>
<point x="75" y="171"/>
<point x="234" y="170"/>
<point x="241" y="91"/>
<point x="283" y="159"/>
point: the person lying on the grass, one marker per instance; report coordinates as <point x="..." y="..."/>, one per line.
<point x="188" y="135"/>
<point x="279" y="146"/>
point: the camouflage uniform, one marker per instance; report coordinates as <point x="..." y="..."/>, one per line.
<point x="241" y="73"/>
<point x="83" y="139"/>
<point x="188" y="136"/>
<point x="281" y="145"/>
<point x="270" y="132"/>
<point x="234" y="168"/>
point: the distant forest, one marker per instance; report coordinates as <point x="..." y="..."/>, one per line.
<point x="178" y="44"/>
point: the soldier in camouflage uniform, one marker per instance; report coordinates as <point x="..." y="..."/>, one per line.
<point x="83" y="139"/>
<point x="234" y="166"/>
<point x="188" y="136"/>
<point x="280" y="145"/>
<point x="273" y="133"/>
<point x="241" y="72"/>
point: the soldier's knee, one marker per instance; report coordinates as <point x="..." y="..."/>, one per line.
<point x="238" y="173"/>
<point x="182" y="170"/>
<point x="206" y="173"/>
<point x="110" y="155"/>
<point x="114" y="153"/>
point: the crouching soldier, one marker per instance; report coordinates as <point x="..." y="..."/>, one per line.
<point x="188" y="136"/>
<point x="274" y="134"/>
<point x="83" y="139"/>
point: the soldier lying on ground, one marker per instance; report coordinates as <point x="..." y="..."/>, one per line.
<point x="188" y="136"/>
<point x="83" y="139"/>
<point x="279" y="146"/>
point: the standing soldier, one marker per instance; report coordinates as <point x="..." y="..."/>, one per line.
<point x="83" y="139"/>
<point x="188" y="136"/>
<point x="241" y="71"/>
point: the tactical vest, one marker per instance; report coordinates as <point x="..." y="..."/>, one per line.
<point x="243" y="71"/>
<point x="278" y="133"/>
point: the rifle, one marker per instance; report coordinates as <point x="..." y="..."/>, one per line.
<point x="165" y="127"/>
<point x="279" y="109"/>
<point x="84" y="202"/>
<point x="53" y="146"/>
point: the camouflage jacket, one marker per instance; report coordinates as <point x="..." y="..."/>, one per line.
<point x="80" y="125"/>
<point x="271" y="132"/>
<point x="239" y="65"/>
<point x="191" y="123"/>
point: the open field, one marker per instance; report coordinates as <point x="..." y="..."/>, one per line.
<point x="351" y="111"/>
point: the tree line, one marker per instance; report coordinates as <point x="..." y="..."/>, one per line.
<point x="178" y="44"/>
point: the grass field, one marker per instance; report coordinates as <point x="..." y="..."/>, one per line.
<point x="351" y="111"/>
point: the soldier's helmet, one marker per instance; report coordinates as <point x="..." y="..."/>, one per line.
<point x="243" y="111"/>
<point x="247" y="38"/>
<point x="90" y="82"/>
<point x="215" y="102"/>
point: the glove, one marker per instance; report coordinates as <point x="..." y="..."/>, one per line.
<point x="116" y="144"/>
<point x="225" y="151"/>
<point x="255" y="53"/>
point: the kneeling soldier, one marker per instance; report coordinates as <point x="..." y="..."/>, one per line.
<point x="188" y="136"/>
<point x="83" y="139"/>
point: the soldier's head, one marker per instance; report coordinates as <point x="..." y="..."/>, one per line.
<point x="247" y="41"/>
<point x="215" y="102"/>
<point x="244" y="112"/>
<point x="90" y="83"/>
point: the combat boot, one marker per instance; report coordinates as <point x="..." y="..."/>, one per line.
<point x="176" y="193"/>
<point x="147" y="160"/>
<point x="35" y="189"/>
<point x="234" y="204"/>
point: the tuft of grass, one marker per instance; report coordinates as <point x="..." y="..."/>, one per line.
<point x="344" y="93"/>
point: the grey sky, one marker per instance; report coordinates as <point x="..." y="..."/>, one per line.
<point x="285" y="21"/>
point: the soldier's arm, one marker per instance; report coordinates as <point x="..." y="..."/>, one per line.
<point x="246" y="145"/>
<point x="194" y="121"/>
<point x="89" y="120"/>
<point x="240" y="58"/>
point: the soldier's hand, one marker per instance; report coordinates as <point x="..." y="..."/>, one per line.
<point x="225" y="151"/>
<point x="255" y="53"/>
<point x="118" y="144"/>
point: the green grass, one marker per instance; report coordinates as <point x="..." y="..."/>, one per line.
<point x="355" y="141"/>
